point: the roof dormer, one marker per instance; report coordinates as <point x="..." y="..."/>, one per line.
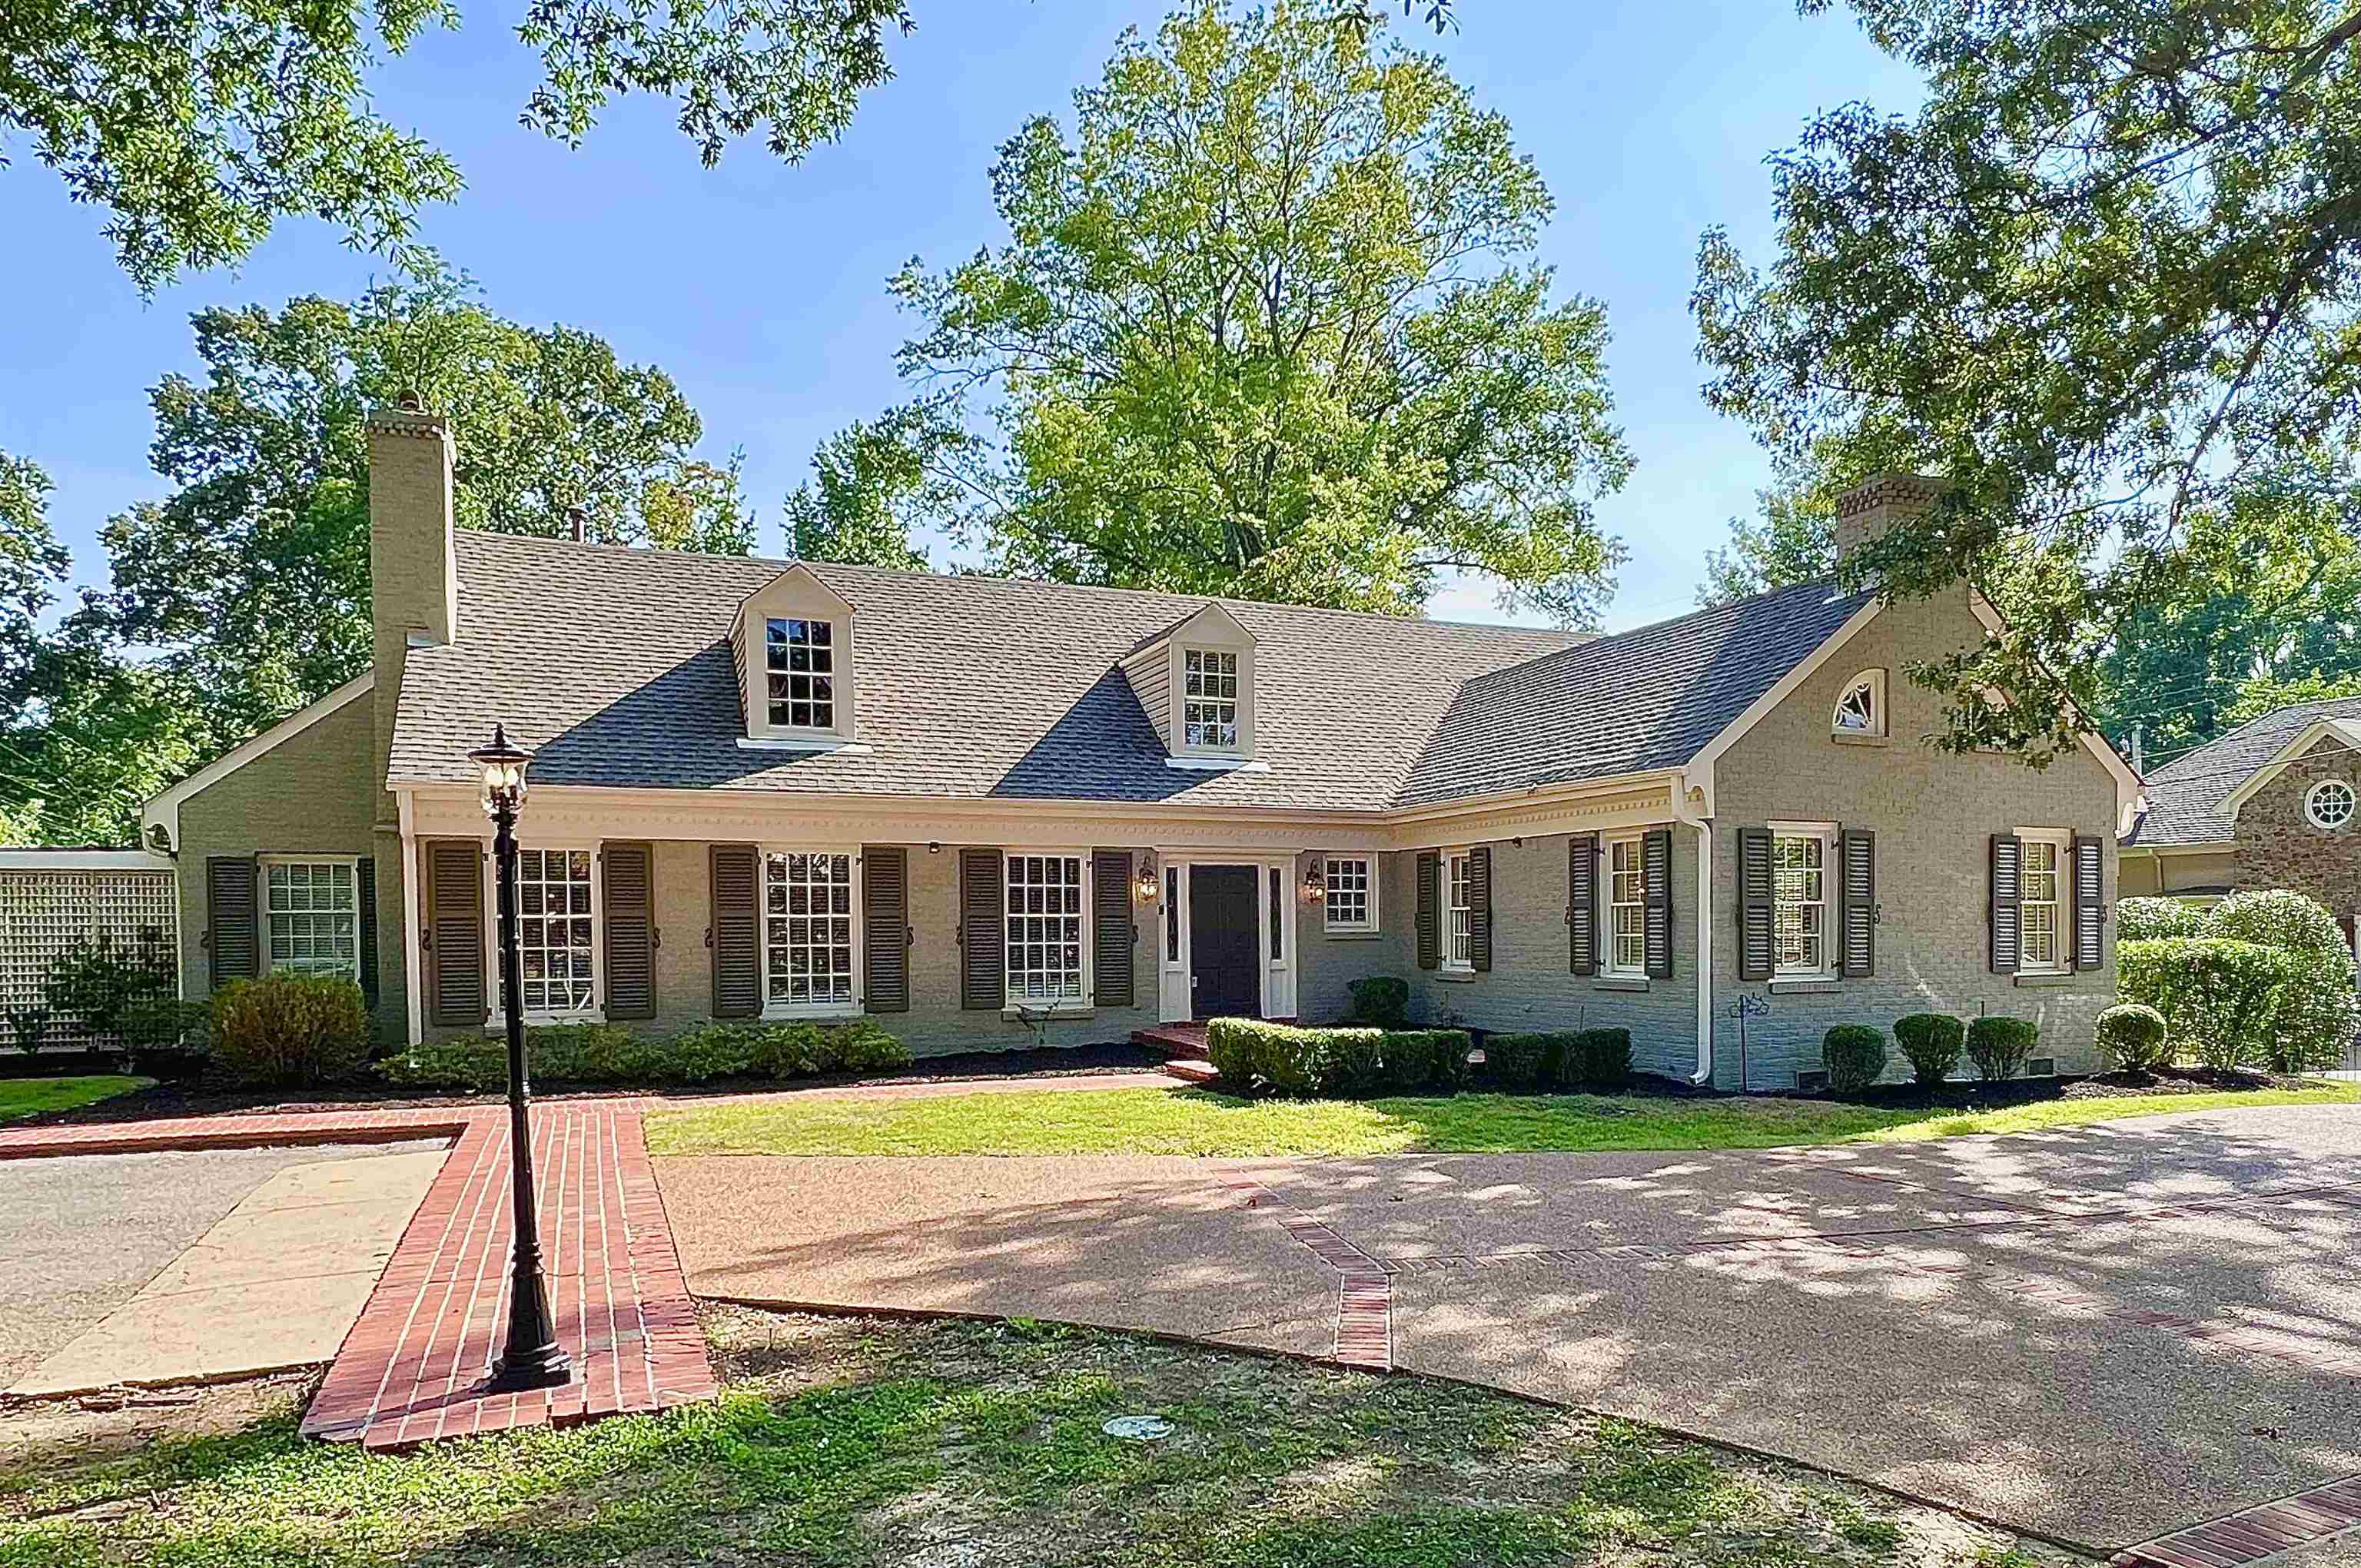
<point x="795" y="646"/>
<point x="1196" y="681"/>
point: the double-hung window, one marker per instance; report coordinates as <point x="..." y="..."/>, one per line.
<point x="1459" y="918"/>
<point x="1046" y="899"/>
<point x="557" y="932"/>
<point x="1627" y="909"/>
<point x="1352" y="897"/>
<point x="311" y="915"/>
<point x="807" y="916"/>
<point x="799" y="659"/>
<point x="1799" y="895"/>
<point x="2041" y="900"/>
<point x="1209" y="715"/>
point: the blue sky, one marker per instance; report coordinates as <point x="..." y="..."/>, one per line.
<point x="760" y="287"/>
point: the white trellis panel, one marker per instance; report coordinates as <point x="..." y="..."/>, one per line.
<point x="47" y="911"/>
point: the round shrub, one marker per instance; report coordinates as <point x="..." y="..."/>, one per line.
<point x="2154" y="919"/>
<point x="289" y="1031"/>
<point x="2217" y="995"/>
<point x="1382" y="1001"/>
<point x="1524" y="1061"/>
<point x="1999" y="1047"/>
<point x="2315" y="1011"/>
<point x="1599" y="1059"/>
<point x="1932" y="1042"/>
<point x="2132" y="1035"/>
<point x="1854" y="1055"/>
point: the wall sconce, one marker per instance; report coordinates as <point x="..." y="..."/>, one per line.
<point x="1145" y="884"/>
<point x="1315" y="881"/>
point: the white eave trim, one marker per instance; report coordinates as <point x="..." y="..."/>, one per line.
<point x="165" y="809"/>
<point x="1196" y="764"/>
<point x="83" y="861"/>
<point x="811" y="748"/>
<point x="2312" y="735"/>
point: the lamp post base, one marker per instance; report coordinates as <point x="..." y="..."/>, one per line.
<point x="547" y="1367"/>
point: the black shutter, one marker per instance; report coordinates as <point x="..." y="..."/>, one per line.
<point x="1112" y="933"/>
<point x="233" y="917"/>
<point x="984" y="975"/>
<point x="626" y="887"/>
<point x="1480" y="907"/>
<point x="1756" y="957"/>
<point x="1582" y="904"/>
<point x="885" y="928"/>
<point x="1430" y="870"/>
<point x="455" y="934"/>
<point x="736" y="935"/>
<point x="2090" y="901"/>
<point x="2005" y="889"/>
<point x="365" y="888"/>
<point x="1656" y="881"/>
<point x="1857" y="917"/>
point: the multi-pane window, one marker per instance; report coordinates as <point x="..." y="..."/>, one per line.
<point x="1045" y="928"/>
<point x="1627" y="908"/>
<point x="1459" y="924"/>
<point x="807" y="930"/>
<point x="2041" y="904"/>
<point x="1861" y="710"/>
<point x="312" y="910"/>
<point x="801" y="656"/>
<point x="556" y="932"/>
<point x="1800" y="902"/>
<point x="1352" y="899"/>
<point x="1209" y="714"/>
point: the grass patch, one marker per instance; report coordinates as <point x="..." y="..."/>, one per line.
<point x="848" y="1442"/>
<point x="1195" y="1121"/>
<point x="31" y="1096"/>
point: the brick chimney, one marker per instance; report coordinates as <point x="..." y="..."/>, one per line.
<point x="414" y="573"/>
<point x="1867" y="510"/>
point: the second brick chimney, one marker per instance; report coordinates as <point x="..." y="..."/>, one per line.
<point x="1868" y="510"/>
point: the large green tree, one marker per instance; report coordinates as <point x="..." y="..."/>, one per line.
<point x="2104" y="280"/>
<point x="1268" y="324"/>
<point x="197" y="125"/>
<point x="248" y="586"/>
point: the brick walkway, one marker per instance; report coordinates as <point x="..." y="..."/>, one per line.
<point x="411" y="1369"/>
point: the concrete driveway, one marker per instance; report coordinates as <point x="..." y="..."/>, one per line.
<point x="2098" y="1335"/>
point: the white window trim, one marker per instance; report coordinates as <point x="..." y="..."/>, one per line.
<point x="2062" y="931"/>
<point x="1881" y="725"/>
<point x="1826" y="832"/>
<point x="781" y="1012"/>
<point x="2311" y="797"/>
<point x="1013" y="1004"/>
<point x="1608" y="967"/>
<point x="496" y="1018"/>
<point x="1328" y="923"/>
<point x="1180" y="699"/>
<point x="292" y="858"/>
<point x="1447" y="963"/>
<point x="839" y="638"/>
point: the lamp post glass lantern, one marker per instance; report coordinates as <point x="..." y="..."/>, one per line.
<point x="530" y="1357"/>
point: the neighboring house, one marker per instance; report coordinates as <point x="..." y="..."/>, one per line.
<point x="2272" y="804"/>
<point x="974" y="808"/>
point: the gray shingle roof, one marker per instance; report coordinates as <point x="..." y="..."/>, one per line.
<point x="614" y="666"/>
<point x="2184" y="796"/>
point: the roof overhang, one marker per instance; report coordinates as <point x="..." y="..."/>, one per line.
<point x="2346" y="732"/>
<point x="1697" y="787"/>
<point x="164" y="810"/>
<point x="83" y="861"/>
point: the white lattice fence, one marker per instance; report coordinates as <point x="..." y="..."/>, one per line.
<point x="48" y="913"/>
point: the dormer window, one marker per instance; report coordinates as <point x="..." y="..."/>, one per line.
<point x="1861" y="709"/>
<point x="795" y="644"/>
<point x="1210" y="700"/>
<point x="1195" y="682"/>
<point x="800" y="663"/>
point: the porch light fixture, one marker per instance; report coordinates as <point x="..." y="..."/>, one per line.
<point x="1144" y="884"/>
<point x="530" y="1357"/>
<point x="1315" y="881"/>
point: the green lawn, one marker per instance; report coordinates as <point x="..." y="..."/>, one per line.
<point x="1194" y="1122"/>
<point x="852" y="1442"/>
<point x="31" y="1096"/>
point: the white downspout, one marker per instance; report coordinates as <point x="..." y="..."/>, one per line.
<point x="1704" y="825"/>
<point x="414" y="977"/>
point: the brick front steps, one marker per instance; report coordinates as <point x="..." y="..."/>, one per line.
<point x="1185" y="1046"/>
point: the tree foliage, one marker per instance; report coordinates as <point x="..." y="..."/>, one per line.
<point x="868" y="480"/>
<point x="31" y="563"/>
<point x="2104" y="282"/>
<point x="1267" y="326"/>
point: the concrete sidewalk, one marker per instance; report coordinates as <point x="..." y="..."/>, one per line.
<point x="2097" y="1335"/>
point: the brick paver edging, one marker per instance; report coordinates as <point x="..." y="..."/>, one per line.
<point x="2251" y="1534"/>
<point x="1364" y="1290"/>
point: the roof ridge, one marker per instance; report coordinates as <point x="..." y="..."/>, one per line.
<point x="1606" y="643"/>
<point x="2312" y="707"/>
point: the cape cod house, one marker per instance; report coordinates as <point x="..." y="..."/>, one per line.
<point x="985" y="811"/>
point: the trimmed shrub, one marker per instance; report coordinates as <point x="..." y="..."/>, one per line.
<point x="290" y="1031"/>
<point x="1261" y="1058"/>
<point x="2132" y="1035"/>
<point x="1932" y="1042"/>
<point x="2000" y="1047"/>
<point x="1380" y="1000"/>
<point x="1584" y="1059"/>
<point x="1854" y="1055"/>
<point x="610" y="1053"/>
<point x="1599" y="1059"/>
<point x="2217" y="995"/>
<point x="2154" y="919"/>
<point x="2315" y="1012"/>
<point x="1525" y="1061"/>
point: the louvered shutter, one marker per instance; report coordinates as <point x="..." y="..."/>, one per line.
<point x="2090" y="901"/>
<point x="628" y="893"/>
<point x="1857" y="913"/>
<point x="233" y="917"/>
<point x="365" y="890"/>
<point x="1656" y="879"/>
<point x="736" y="934"/>
<point x="1756" y="958"/>
<point x="1582" y="904"/>
<point x="1112" y="933"/>
<point x="984" y="974"/>
<point x="885" y="928"/>
<point x="455" y="934"/>
<point x="2005" y="889"/>
<point x="1480" y="907"/>
<point x="1430" y="874"/>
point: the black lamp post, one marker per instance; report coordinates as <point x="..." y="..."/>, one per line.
<point x="530" y="1357"/>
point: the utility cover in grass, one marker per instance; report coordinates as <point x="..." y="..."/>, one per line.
<point x="1138" y="1429"/>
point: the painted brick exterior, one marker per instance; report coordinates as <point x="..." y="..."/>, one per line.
<point x="2278" y="846"/>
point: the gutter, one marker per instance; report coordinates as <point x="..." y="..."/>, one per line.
<point x="1704" y="825"/>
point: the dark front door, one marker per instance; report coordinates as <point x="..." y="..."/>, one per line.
<point x="1225" y="948"/>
